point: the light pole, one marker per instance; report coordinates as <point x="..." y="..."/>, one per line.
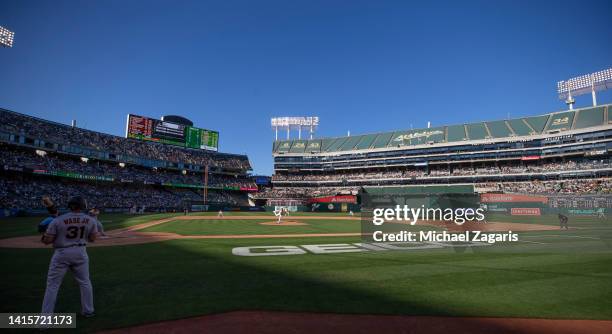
<point x="584" y="84"/>
<point x="6" y="37"/>
<point x="286" y="123"/>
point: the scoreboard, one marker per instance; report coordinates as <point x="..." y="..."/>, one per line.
<point x="201" y="138"/>
<point x="144" y="128"/>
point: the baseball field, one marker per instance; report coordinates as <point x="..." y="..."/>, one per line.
<point x="154" y="269"/>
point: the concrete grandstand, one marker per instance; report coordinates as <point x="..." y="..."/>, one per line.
<point x="558" y="150"/>
<point x="43" y="158"/>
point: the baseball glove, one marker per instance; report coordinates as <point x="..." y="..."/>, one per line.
<point x="52" y="209"/>
<point x="48" y="203"/>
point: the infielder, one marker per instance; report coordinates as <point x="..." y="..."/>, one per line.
<point x="563" y="221"/>
<point x="69" y="234"/>
<point x="220" y="214"/>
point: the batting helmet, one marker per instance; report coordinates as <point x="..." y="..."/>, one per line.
<point x="77" y="203"/>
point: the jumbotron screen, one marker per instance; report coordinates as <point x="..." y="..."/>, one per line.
<point x="145" y="128"/>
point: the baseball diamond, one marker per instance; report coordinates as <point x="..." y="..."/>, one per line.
<point x="190" y="250"/>
<point x="306" y="167"/>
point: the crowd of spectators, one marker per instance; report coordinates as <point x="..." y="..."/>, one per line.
<point x="19" y="193"/>
<point x="349" y="176"/>
<point x="576" y="186"/>
<point x="304" y="192"/>
<point x="25" y="192"/>
<point x="50" y="132"/>
<point x="14" y="157"/>
<point x="456" y="171"/>
<point x="555" y="166"/>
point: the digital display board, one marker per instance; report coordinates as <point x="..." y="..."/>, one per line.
<point x="144" y="128"/>
<point x="201" y="138"/>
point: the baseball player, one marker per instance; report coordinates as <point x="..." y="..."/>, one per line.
<point x="95" y="212"/>
<point x="278" y="212"/>
<point x="220" y="214"/>
<point x="563" y="221"/>
<point x="69" y="234"/>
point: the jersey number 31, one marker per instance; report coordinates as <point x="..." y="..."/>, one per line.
<point x="73" y="232"/>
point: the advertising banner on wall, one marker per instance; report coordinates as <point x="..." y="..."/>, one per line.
<point x="334" y="199"/>
<point x="525" y="212"/>
<point x="512" y="198"/>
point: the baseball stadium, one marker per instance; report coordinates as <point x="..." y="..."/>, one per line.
<point x="501" y="225"/>
<point x="175" y="218"/>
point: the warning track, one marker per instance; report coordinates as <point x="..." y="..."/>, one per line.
<point x="300" y="322"/>
<point x="133" y="235"/>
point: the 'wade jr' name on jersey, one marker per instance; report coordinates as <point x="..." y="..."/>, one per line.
<point x="72" y="229"/>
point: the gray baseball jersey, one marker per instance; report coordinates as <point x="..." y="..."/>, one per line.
<point x="71" y="233"/>
<point x="72" y="229"/>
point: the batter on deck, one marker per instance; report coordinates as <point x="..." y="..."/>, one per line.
<point x="69" y="234"/>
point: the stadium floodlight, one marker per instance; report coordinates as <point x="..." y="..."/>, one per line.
<point x="287" y="123"/>
<point x="6" y="37"/>
<point x="584" y="84"/>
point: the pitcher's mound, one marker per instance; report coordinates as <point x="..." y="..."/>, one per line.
<point x="284" y="223"/>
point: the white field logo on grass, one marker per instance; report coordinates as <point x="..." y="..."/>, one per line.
<point x="347" y="248"/>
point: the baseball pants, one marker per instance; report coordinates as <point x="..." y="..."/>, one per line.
<point x="75" y="259"/>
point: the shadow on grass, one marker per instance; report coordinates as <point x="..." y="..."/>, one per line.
<point x="185" y="278"/>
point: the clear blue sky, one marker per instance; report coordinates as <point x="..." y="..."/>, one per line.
<point x="362" y="66"/>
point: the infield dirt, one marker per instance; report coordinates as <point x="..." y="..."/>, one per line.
<point x="299" y="322"/>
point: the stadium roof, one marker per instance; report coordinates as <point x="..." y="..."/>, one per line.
<point x="511" y="129"/>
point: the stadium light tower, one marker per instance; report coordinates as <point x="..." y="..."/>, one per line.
<point x="6" y="37"/>
<point x="584" y="84"/>
<point x="287" y="123"/>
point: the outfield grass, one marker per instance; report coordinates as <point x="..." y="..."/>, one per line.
<point x="180" y="278"/>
